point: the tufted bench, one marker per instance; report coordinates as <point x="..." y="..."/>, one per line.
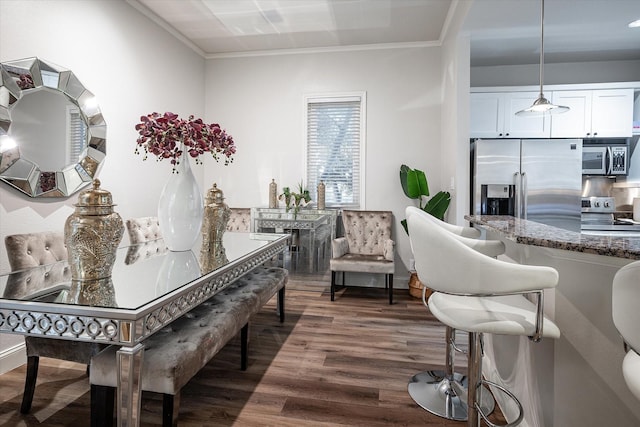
<point x="176" y="353"/>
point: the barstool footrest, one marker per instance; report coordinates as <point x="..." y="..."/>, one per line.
<point x="509" y="394"/>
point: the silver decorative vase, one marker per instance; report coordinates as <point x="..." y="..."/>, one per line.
<point x="92" y="235"/>
<point x="321" y="195"/>
<point x="273" y="194"/>
<point x="214" y="224"/>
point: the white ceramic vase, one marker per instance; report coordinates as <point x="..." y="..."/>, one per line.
<point x="180" y="208"/>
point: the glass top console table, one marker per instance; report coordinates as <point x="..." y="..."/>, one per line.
<point x="149" y="288"/>
<point x="313" y="229"/>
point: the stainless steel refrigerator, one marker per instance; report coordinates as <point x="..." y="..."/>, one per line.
<point x="535" y="179"/>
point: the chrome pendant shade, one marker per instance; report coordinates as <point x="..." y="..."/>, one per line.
<point x="542" y="106"/>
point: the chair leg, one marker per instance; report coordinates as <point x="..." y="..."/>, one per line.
<point x="389" y="282"/>
<point x="474" y="391"/>
<point x="29" y="383"/>
<point x="333" y="285"/>
<point x="244" y="346"/>
<point x="281" y="303"/>
<point x="443" y="392"/>
<point x="170" y="409"/>
<point x="102" y="404"/>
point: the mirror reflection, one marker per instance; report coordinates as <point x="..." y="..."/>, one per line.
<point x="52" y="133"/>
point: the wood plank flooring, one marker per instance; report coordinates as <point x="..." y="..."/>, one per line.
<point x="346" y="363"/>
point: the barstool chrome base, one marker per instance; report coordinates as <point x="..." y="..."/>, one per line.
<point x="444" y="397"/>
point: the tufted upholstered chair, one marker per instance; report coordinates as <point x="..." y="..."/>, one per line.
<point x="626" y="318"/>
<point x="145" y="238"/>
<point x="144" y="229"/>
<point x="239" y="220"/>
<point x="26" y="251"/>
<point x="366" y="247"/>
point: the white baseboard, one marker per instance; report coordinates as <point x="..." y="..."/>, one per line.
<point x="12" y="357"/>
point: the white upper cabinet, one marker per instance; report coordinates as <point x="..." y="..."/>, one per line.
<point x="487" y="116"/>
<point x="612" y="113"/>
<point x="577" y="121"/>
<point x="524" y="127"/>
<point x="601" y="113"/>
<point x="493" y="116"/>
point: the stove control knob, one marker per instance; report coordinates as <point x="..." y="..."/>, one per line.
<point x="606" y="204"/>
<point x="596" y="204"/>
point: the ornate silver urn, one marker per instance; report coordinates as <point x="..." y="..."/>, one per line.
<point x="214" y="224"/>
<point x="92" y="235"/>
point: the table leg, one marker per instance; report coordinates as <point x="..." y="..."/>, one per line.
<point x="129" y="385"/>
<point x="312" y="249"/>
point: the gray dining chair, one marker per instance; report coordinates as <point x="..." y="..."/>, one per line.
<point x="145" y="238"/>
<point x="26" y="251"/>
<point x="239" y="220"/>
<point x="366" y="247"/>
<point x="143" y="229"/>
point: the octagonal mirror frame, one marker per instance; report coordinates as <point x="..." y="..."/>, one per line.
<point x="26" y="76"/>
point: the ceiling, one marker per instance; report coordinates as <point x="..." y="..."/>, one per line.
<point x="502" y="32"/>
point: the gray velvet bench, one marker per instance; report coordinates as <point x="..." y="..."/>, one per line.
<point x="176" y="353"/>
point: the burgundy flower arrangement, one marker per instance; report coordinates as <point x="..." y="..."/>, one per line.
<point x="167" y="135"/>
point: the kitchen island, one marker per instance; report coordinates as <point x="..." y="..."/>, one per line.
<point x="577" y="379"/>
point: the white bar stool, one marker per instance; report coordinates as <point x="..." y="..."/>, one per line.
<point x="443" y="392"/>
<point x="626" y="318"/>
<point x="479" y="294"/>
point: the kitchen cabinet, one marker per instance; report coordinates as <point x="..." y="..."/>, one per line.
<point x="493" y="116"/>
<point x="602" y="113"/>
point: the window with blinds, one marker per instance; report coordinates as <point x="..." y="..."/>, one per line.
<point x="335" y="148"/>
<point x="76" y="134"/>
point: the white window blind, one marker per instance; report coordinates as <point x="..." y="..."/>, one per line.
<point x="76" y="134"/>
<point x="334" y="149"/>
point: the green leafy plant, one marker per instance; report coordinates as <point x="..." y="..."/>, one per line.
<point x="301" y="198"/>
<point x="415" y="186"/>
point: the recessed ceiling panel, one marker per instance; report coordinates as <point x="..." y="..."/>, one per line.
<point x="502" y="32"/>
<point x="223" y="26"/>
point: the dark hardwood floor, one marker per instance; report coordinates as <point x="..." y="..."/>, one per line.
<point x="331" y="363"/>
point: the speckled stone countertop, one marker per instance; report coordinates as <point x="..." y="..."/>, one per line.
<point x="536" y="234"/>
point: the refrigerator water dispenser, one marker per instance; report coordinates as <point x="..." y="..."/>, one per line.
<point x="497" y="199"/>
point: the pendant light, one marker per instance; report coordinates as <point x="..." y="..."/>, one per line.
<point x="542" y="106"/>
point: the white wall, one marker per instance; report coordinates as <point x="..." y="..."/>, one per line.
<point x="455" y="115"/>
<point x="133" y="67"/>
<point x="259" y="100"/>
<point x="564" y="73"/>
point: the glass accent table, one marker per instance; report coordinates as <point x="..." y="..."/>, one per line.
<point x="311" y="229"/>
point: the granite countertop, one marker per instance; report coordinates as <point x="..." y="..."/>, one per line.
<point x="537" y="234"/>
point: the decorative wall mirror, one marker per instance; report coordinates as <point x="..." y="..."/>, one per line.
<point x="52" y="133"/>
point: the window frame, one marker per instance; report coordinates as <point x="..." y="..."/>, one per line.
<point x="340" y="97"/>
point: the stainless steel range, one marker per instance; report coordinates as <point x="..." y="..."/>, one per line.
<point x="599" y="218"/>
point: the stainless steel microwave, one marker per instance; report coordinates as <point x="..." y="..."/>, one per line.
<point x="605" y="159"/>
